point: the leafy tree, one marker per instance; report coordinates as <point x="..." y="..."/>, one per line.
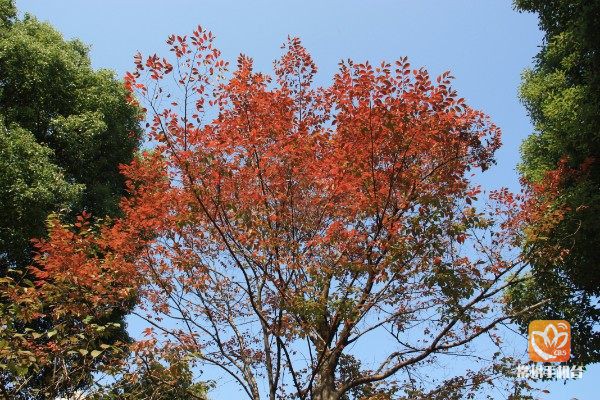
<point x="64" y="130"/>
<point x="48" y="88"/>
<point x="8" y="13"/>
<point x="562" y="95"/>
<point x="78" y="298"/>
<point x="277" y="225"/>
<point x="31" y="187"/>
<point x="156" y="375"/>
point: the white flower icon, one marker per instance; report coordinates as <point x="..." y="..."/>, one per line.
<point x="551" y="338"/>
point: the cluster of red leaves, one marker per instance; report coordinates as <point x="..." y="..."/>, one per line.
<point x="536" y="211"/>
<point x="377" y="137"/>
<point x="83" y="275"/>
<point x="87" y="267"/>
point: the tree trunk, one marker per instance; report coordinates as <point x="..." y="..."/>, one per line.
<point x="324" y="388"/>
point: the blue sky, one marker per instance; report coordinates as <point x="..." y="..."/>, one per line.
<point x="485" y="43"/>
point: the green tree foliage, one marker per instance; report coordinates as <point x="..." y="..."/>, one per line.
<point x="60" y="113"/>
<point x="156" y="378"/>
<point x="562" y="96"/>
<point x="48" y="87"/>
<point x="64" y="130"/>
<point x="31" y="187"/>
<point x="8" y="13"/>
<point x="350" y="368"/>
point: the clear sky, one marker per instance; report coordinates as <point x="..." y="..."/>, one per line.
<point x="485" y="43"/>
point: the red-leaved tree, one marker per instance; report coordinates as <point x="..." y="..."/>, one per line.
<point x="277" y="230"/>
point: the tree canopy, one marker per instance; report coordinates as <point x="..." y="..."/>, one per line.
<point x="31" y="187"/>
<point x="562" y="95"/>
<point x="64" y="130"/>
<point x="277" y="225"/>
<point x="78" y="115"/>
